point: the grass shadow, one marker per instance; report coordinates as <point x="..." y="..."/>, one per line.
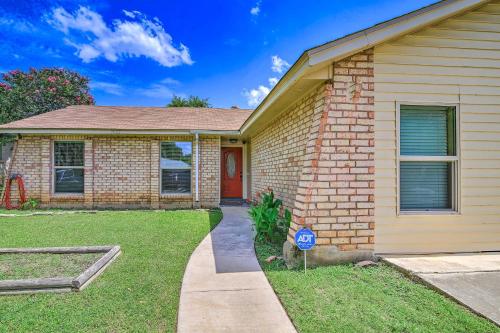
<point x="214" y="217"/>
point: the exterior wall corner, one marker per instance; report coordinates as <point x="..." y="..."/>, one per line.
<point x="335" y="195"/>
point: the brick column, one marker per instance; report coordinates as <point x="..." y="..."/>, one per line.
<point x="335" y="196"/>
<point x="209" y="171"/>
<point x="46" y="171"/>
<point x="155" y="174"/>
<point x="89" y="174"/>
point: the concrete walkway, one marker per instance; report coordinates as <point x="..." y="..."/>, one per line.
<point x="472" y="279"/>
<point x="224" y="288"/>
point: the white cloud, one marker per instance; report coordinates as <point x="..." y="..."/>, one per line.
<point x="279" y="65"/>
<point x="162" y="89"/>
<point x="255" y="10"/>
<point x="170" y="81"/>
<point x="131" y="14"/>
<point x="11" y="22"/>
<point x="123" y="38"/>
<point x="110" y="88"/>
<point x="156" y="91"/>
<point x="87" y="53"/>
<point x="255" y="96"/>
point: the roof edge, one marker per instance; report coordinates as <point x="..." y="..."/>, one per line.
<point x="387" y="30"/>
<point x="293" y="74"/>
<point x="359" y="41"/>
<point x="113" y="132"/>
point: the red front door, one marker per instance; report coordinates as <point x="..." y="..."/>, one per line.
<point x="231" y="172"/>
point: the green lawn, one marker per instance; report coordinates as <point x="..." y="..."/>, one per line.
<point x="139" y="292"/>
<point x="351" y="299"/>
<point x="41" y="265"/>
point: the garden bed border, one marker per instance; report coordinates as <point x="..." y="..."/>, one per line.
<point x="66" y="284"/>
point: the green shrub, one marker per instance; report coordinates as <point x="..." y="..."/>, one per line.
<point x="269" y="224"/>
<point x="30" y="204"/>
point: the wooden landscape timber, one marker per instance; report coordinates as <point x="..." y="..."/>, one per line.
<point x="64" y="284"/>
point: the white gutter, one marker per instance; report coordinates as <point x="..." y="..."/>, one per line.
<point x="112" y="132"/>
<point x="197" y="166"/>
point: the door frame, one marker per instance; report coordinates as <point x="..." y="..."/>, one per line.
<point x="243" y="162"/>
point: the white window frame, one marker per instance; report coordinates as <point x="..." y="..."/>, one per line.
<point x="455" y="160"/>
<point x="187" y="194"/>
<point x="54" y="167"/>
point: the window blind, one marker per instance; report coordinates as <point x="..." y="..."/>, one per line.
<point x="425" y="185"/>
<point x="424" y="131"/>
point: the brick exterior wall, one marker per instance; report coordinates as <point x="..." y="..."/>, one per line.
<point x="27" y="163"/>
<point x="210" y="170"/>
<point x="318" y="156"/>
<point x="120" y="172"/>
<point x="336" y="188"/>
<point x="277" y="151"/>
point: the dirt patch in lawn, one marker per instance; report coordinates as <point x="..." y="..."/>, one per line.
<point x="44" y="265"/>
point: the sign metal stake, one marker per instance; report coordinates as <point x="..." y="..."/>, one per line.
<point x="305" y="261"/>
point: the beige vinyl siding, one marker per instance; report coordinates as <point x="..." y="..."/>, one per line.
<point x="454" y="62"/>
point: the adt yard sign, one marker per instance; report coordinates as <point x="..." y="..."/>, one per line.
<point x="305" y="240"/>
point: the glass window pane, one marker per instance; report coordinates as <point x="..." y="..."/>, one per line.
<point x="176" y="155"/>
<point x="176" y="181"/>
<point x="425" y="185"/>
<point x="231" y="165"/>
<point x="69" y="153"/>
<point x="69" y="180"/>
<point x="427" y="131"/>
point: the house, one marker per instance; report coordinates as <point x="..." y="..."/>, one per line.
<point x="383" y="141"/>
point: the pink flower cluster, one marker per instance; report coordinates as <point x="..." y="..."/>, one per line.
<point x="5" y="86"/>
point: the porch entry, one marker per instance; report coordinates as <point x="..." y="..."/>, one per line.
<point x="231" y="172"/>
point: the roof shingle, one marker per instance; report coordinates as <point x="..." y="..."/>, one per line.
<point x="93" y="117"/>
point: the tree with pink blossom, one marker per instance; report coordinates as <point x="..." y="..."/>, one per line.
<point x="26" y="94"/>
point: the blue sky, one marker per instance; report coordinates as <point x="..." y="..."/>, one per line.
<point x="143" y="52"/>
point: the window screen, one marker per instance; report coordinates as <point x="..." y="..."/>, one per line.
<point x="427" y="157"/>
<point x="425" y="185"/>
<point x="427" y="131"/>
<point x="68" y="171"/>
<point x="175" y="164"/>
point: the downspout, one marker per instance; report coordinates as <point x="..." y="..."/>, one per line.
<point x="8" y="169"/>
<point x="197" y="167"/>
